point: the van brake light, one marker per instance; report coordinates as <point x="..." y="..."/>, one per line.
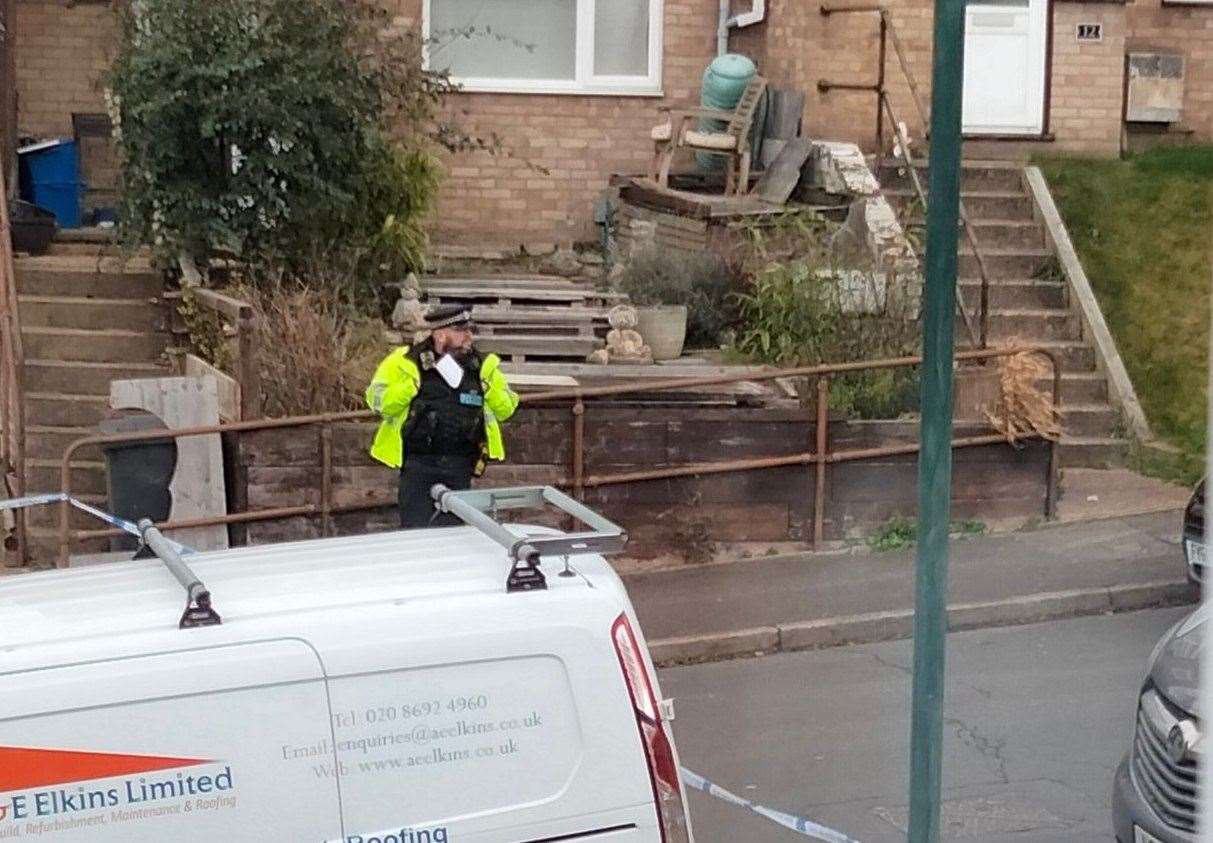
<point x="658" y="749"/>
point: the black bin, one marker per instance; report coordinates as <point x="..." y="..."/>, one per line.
<point x="138" y="474"/>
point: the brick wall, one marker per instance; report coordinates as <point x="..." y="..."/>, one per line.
<point x="64" y="48"/>
<point x="1187" y="30"/>
<point x="1087" y="91"/>
<point x="1087" y="79"/>
<point x="804" y="47"/>
<point x="579" y="140"/>
<point x="63" y="51"/>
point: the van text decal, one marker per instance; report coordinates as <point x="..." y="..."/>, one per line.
<point x="49" y="783"/>
<point x="433" y="834"/>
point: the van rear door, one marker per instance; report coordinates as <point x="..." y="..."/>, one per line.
<point x="222" y="743"/>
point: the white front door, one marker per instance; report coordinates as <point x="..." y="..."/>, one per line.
<point x="1004" y="78"/>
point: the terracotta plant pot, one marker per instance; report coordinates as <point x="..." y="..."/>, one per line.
<point x="664" y="328"/>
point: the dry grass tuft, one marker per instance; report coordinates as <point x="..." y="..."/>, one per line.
<point x="316" y="353"/>
<point x="1023" y="410"/>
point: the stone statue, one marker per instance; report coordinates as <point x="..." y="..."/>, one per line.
<point x="623" y="342"/>
<point x="408" y="316"/>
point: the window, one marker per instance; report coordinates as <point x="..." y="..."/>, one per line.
<point x="547" y="46"/>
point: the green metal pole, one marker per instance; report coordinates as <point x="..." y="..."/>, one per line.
<point x="935" y="458"/>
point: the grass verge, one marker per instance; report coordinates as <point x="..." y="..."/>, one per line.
<point x="1142" y="227"/>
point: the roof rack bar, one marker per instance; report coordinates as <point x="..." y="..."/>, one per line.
<point x="477" y="508"/>
<point x="198" y="609"/>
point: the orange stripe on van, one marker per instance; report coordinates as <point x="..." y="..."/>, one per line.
<point x="23" y="768"/>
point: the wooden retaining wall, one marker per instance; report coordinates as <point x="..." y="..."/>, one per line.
<point x="991" y="483"/>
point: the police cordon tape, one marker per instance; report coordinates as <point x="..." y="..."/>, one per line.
<point x="800" y="825"/>
<point x="112" y="520"/>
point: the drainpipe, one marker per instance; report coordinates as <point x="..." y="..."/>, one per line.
<point x="728" y="20"/>
<point x="722" y="28"/>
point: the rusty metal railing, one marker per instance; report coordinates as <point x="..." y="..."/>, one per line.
<point x="578" y="479"/>
<point x="979" y="334"/>
<point x="12" y="365"/>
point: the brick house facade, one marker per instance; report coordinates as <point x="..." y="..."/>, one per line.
<point x="64" y="46"/>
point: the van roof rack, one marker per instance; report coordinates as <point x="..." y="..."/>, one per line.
<point x="479" y="507"/>
<point x="198" y="609"/>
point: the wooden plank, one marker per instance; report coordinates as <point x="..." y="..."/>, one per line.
<point x="453" y="291"/>
<point x="541" y="346"/>
<point x="501" y="282"/>
<point x="197" y="487"/>
<point x="672" y="371"/>
<point x="483" y="313"/>
<point x="792" y="485"/>
<point x="694" y="440"/>
<point x="229" y="389"/>
<point x="652" y="528"/>
<point x="780" y="179"/>
<point x="232" y="308"/>
<point x="538" y="383"/>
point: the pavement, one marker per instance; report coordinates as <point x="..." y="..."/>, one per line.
<point x="814" y="600"/>
<point x="1036" y="718"/>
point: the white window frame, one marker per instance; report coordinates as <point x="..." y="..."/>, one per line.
<point x="586" y="82"/>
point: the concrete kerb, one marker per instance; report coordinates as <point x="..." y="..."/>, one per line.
<point x="1095" y="327"/>
<point x="894" y="625"/>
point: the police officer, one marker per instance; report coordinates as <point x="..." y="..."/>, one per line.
<point x="442" y="404"/>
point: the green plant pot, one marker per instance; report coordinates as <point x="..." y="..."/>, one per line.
<point x="664" y="328"/>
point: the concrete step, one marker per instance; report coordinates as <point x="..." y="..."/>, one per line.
<point x="1089" y="420"/>
<point x="75" y="275"/>
<point x="59" y="409"/>
<point x="1032" y="324"/>
<point x="1092" y="452"/>
<point x="51" y="441"/>
<point x="94" y="234"/>
<point x="108" y="346"/>
<point x="998" y="234"/>
<point x="1017" y="293"/>
<point x="84" y="378"/>
<point x="1005" y="263"/>
<point x="1073" y="355"/>
<point x="90" y="313"/>
<point x="979" y="204"/>
<point x="975" y="175"/>
<point x="88" y="477"/>
<point x="1007" y="234"/>
<point x="1079" y="388"/>
<point x="84" y="249"/>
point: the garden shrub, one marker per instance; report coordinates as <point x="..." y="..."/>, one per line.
<point x="274" y="130"/>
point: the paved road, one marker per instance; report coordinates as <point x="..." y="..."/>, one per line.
<point x="1037" y="718"/>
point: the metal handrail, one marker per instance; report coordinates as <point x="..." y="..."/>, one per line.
<point x="979" y="336"/>
<point x="12" y="365"/>
<point x="819" y="458"/>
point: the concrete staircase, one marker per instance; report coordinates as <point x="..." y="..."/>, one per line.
<point x="87" y="317"/>
<point x="1028" y="297"/>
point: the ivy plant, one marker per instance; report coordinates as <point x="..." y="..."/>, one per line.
<point x="275" y="130"/>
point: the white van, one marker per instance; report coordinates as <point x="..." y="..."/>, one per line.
<point x="378" y="689"/>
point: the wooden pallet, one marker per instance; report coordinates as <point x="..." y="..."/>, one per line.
<point x="495" y="320"/>
<point x="517" y="348"/>
<point x="506" y="290"/>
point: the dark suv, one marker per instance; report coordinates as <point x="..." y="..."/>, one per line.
<point x="1154" y="792"/>
<point x="1195" y="552"/>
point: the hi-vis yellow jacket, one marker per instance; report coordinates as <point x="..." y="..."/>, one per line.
<point x="397" y="380"/>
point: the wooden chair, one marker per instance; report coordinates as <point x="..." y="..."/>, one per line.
<point x="732" y="141"/>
